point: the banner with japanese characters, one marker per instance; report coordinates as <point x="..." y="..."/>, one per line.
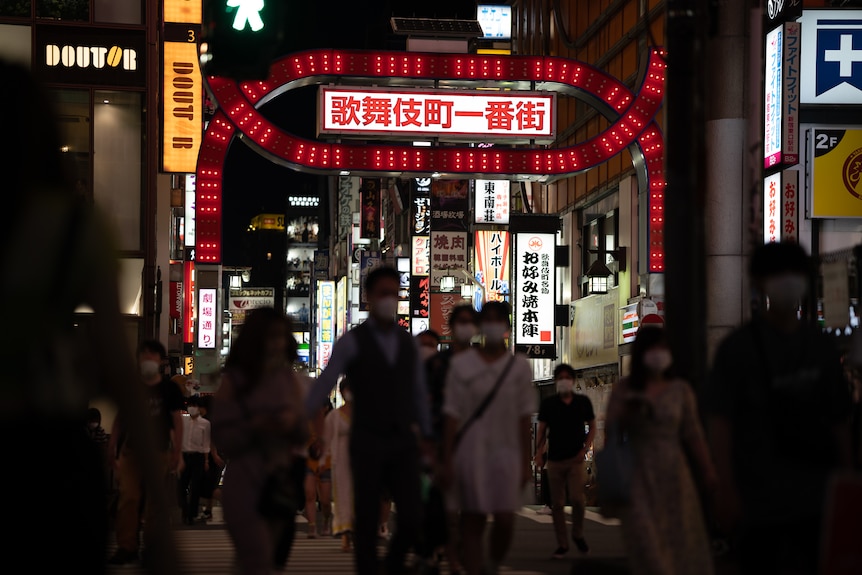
<point x="448" y="114"/>
<point x="326" y="321"/>
<point x="420" y="206"/>
<point x="533" y="303"/>
<point x="207" y="320"/>
<point x="491" y="200"/>
<point x="790" y="206"/>
<point x="441" y="309"/>
<point x="450" y="205"/>
<point x="420" y="255"/>
<point x="369" y="226"/>
<point x="420" y="301"/>
<point x="448" y="256"/>
<point x="772" y="208"/>
<point x="492" y="264"/>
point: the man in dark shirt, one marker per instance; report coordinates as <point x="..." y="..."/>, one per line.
<point x="164" y="404"/>
<point x="567" y="422"/>
<point x="778" y="407"/>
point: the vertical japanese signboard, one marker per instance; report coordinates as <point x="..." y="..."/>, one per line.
<point x="340" y="307"/>
<point x="491" y="200"/>
<point x="207" y="319"/>
<point x="420" y="256"/>
<point x="420" y="205"/>
<point x="346" y="194"/>
<point x="449" y="209"/>
<point x="534" y="300"/>
<point x="492" y="263"/>
<point x="790" y="93"/>
<point x="420" y="302"/>
<point x="790" y="205"/>
<point x="773" y="104"/>
<point x="367" y="262"/>
<point x="326" y="322"/>
<point x="441" y="309"/>
<point x="772" y="208"/>
<point x="403" y="313"/>
<point x="369" y="226"/>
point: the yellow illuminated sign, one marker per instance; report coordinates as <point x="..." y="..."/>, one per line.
<point x="836" y="168"/>
<point x="183" y="107"/>
<point x="182" y="11"/>
<point x="268" y="222"/>
<point x="494" y="51"/>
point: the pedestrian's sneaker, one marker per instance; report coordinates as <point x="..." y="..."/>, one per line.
<point x="123" y="557"/>
<point x="560" y="553"/>
<point x="581" y="544"/>
<point x="544" y="510"/>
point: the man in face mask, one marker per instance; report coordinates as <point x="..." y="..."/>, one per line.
<point x="390" y="418"/>
<point x="568" y="424"/>
<point x="778" y="408"/>
<point x="164" y="404"/>
<point x="196" y="450"/>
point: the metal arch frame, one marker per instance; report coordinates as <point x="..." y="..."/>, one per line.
<point x="631" y="117"/>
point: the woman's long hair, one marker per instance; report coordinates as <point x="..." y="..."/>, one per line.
<point x="647" y="338"/>
<point x="248" y="353"/>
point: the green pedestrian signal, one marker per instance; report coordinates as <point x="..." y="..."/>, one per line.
<point x="242" y="37"/>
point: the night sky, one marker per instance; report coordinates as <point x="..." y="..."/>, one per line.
<point x="255" y="185"/>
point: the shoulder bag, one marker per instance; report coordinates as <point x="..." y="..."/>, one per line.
<point x="480" y="410"/>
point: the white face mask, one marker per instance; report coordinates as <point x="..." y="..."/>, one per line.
<point x="565" y="386"/>
<point x="464" y="332"/>
<point x="193" y="411"/>
<point x="149" y="368"/>
<point x="658" y="360"/>
<point x="786" y="291"/>
<point x="385" y="308"/>
<point x="494" y="331"/>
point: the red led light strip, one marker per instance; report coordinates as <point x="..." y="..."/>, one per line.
<point x="238" y="101"/>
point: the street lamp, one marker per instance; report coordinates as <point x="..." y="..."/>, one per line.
<point x="599" y="273"/>
<point x="447" y="283"/>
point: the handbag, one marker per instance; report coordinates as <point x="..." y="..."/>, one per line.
<point x="480" y="410"/>
<point x="615" y="465"/>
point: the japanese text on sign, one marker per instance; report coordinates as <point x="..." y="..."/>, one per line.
<point x="772" y="99"/>
<point x="421" y="255"/>
<point x="448" y="254"/>
<point x="461" y="113"/>
<point x="790" y="206"/>
<point x="491" y="201"/>
<point x="326" y="321"/>
<point x="533" y="278"/>
<point x="207" y="319"/>
<point x="492" y="261"/>
<point x="790" y="92"/>
<point x="771" y="208"/>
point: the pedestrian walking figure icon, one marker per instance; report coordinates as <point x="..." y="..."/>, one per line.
<point x="248" y="12"/>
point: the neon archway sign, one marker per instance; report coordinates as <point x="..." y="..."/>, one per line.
<point x="632" y="117"/>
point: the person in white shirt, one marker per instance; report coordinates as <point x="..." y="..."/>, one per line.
<point x="196" y="449"/>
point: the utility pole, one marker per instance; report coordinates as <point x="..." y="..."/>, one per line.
<point x="685" y="286"/>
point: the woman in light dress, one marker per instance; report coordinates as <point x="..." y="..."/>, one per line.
<point x="336" y="437"/>
<point x="663" y="527"/>
<point x="486" y="471"/>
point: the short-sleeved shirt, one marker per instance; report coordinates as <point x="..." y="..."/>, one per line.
<point x="783" y="394"/>
<point x="566" y="424"/>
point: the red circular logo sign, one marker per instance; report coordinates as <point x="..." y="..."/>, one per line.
<point x="535" y="244"/>
<point x="852" y="172"/>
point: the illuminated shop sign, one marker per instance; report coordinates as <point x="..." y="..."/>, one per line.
<point x="491" y="201"/>
<point x="772" y="103"/>
<point x="326" y="322"/>
<point x="492" y="263"/>
<point x="182" y="107"/>
<point x="207" y="319"/>
<point x="832" y="60"/>
<point x="495" y="20"/>
<point x="459" y="114"/>
<point x="772" y="208"/>
<point x="421" y="255"/>
<point x="182" y="11"/>
<point x="533" y="305"/>
<point x="87" y="56"/>
<point x="836" y="173"/>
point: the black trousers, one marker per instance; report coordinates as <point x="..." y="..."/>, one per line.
<point x="385" y="464"/>
<point x="285" y="530"/>
<point x="192" y="483"/>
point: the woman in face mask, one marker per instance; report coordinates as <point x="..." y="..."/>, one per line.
<point x="488" y="402"/>
<point x="663" y="526"/>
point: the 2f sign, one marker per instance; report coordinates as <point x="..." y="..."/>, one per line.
<point x="825" y="142"/>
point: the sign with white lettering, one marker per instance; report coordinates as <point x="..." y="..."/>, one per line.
<point x="772" y="102"/>
<point x="492" y="264"/>
<point x="99" y="57"/>
<point x="533" y="305"/>
<point x="832" y="59"/>
<point x="445" y="114"/>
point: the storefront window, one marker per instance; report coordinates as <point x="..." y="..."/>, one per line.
<point x="125" y="12"/>
<point x="15" y="42"/>
<point x="73" y="114"/>
<point x="63" y="9"/>
<point x="15" y="8"/>
<point x="118" y="162"/>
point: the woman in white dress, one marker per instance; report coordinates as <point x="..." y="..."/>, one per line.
<point x="336" y="436"/>
<point x="487" y="458"/>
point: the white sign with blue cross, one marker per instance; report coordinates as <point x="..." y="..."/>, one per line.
<point x="832" y="57"/>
